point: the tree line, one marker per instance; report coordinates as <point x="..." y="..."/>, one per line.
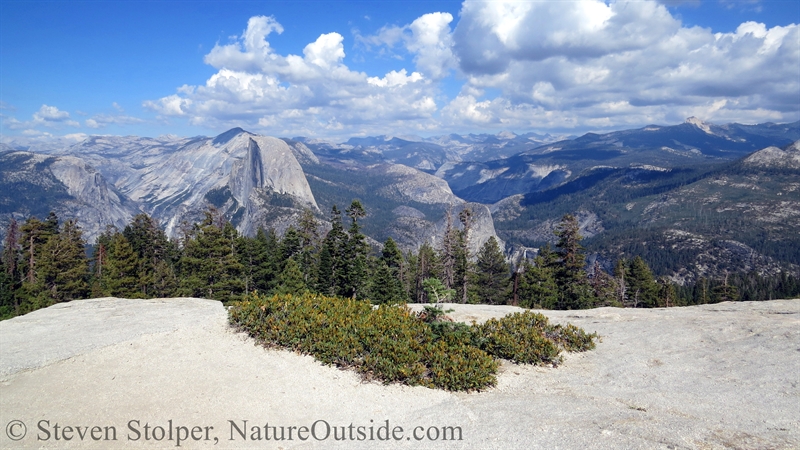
<point x="47" y="262"/>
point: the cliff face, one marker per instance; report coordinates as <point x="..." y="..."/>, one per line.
<point x="268" y="163"/>
<point x="255" y="181"/>
<point x="173" y="180"/>
<point x="70" y="187"/>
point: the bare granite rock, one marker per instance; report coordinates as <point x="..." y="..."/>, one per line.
<point x="712" y="376"/>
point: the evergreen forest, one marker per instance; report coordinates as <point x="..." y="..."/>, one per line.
<point x="45" y="262"/>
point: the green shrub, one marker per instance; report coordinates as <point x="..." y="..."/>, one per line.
<point x="529" y="338"/>
<point x="388" y="343"/>
<point x="571" y="338"/>
<point x="392" y="344"/>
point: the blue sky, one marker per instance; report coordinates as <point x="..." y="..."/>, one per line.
<point x="334" y="69"/>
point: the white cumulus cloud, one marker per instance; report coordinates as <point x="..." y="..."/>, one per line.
<point x="580" y="65"/>
<point x="588" y="63"/>
<point x="428" y="38"/>
<point x="314" y="93"/>
<point x="50" y="116"/>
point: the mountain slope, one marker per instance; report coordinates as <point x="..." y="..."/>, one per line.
<point x="687" y="222"/>
<point x="33" y="185"/>
<point x="691" y="143"/>
<point x="401" y="202"/>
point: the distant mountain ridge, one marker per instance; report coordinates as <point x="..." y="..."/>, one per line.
<point x="619" y="184"/>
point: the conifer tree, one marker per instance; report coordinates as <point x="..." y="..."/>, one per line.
<point x="436" y="291"/>
<point x="642" y="288"/>
<point x="725" y="292"/>
<point x="448" y="252"/>
<point x="10" y="279"/>
<point x="210" y="267"/>
<point x="11" y="250"/>
<point x="387" y="283"/>
<point x="574" y="289"/>
<point x="463" y="258"/>
<point x="51" y="223"/>
<point x="165" y="282"/>
<point x="8" y="300"/>
<point x="356" y="251"/>
<point x="604" y="287"/>
<point x="537" y="284"/>
<point x="265" y="260"/>
<point x="61" y="269"/>
<point x="34" y="235"/>
<point x="621" y="274"/>
<point x="332" y="268"/>
<point x="392" y="255"/>
<point x="491" y="277"/>
<point x="427" y="266"/>
<point x="290" y="281"/>
<point x="309" y="242"/>
<point x="120" y="276"/>
<point x="291" y="244"/>
<point x="384" y="286"/>
<point x="151" y="246"/>
<point x="702" y="294"/>
<point x="667" y="296"/>
<point x="549" y="257"/>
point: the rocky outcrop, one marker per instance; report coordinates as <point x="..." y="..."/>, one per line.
<point x="414" y="185"/>
<point x="236" y="165"/>
<point x="774" y="157"/>
<point x="303" y="154"/>
<point x="708" y="377"/>
<point x="75" y="190"/>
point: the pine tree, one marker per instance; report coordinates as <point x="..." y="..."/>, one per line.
<point x="384" y="286"/>
<point x="8" y="300"/>
<point x="642" y="288"/>
<point x="575" y="292"/>
<point x="448" y="252"/>
<point x="436" y="291"/>
<point x="391" y="282"/>
<point x="151" y="246"/>
<point x="290" y="244"/>
<point x="356" y="251"/>
<point x="51" y="223"/>
<point x="266" y="260"/>
<point x="491" y="277"/>
<point x="391" y="255"/>
<point x="427" y="266"/>
<point x="210" y="267"/>
<point x="61" y="269"/>
<point x="604" y="287"/>
<point x="463" y="258"/>
<point x="331" y="272"/>
<point x="725" y="292"/>
<point x="34" y="235"/>
<point x="537" y="285"/>
<point x="10" y="279"/>
<point x="621" y="273"/>
<point x="290" y="281"/>
<point x="11" y="250"/>
<point x="667" y="296"/>
<point x="120" y="274"/>
<point x="310" y="243"/>
<point x="701" y="294"/>
<point x="165" y="282"/>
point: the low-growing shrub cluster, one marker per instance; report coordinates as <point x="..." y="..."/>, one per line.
<point x="393" y="344"/>
<point x="529" y="338"/>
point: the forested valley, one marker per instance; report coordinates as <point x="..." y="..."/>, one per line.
<point x="45" y="262"/>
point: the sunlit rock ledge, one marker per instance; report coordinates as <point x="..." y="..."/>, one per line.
<point x="725" y="375"/>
